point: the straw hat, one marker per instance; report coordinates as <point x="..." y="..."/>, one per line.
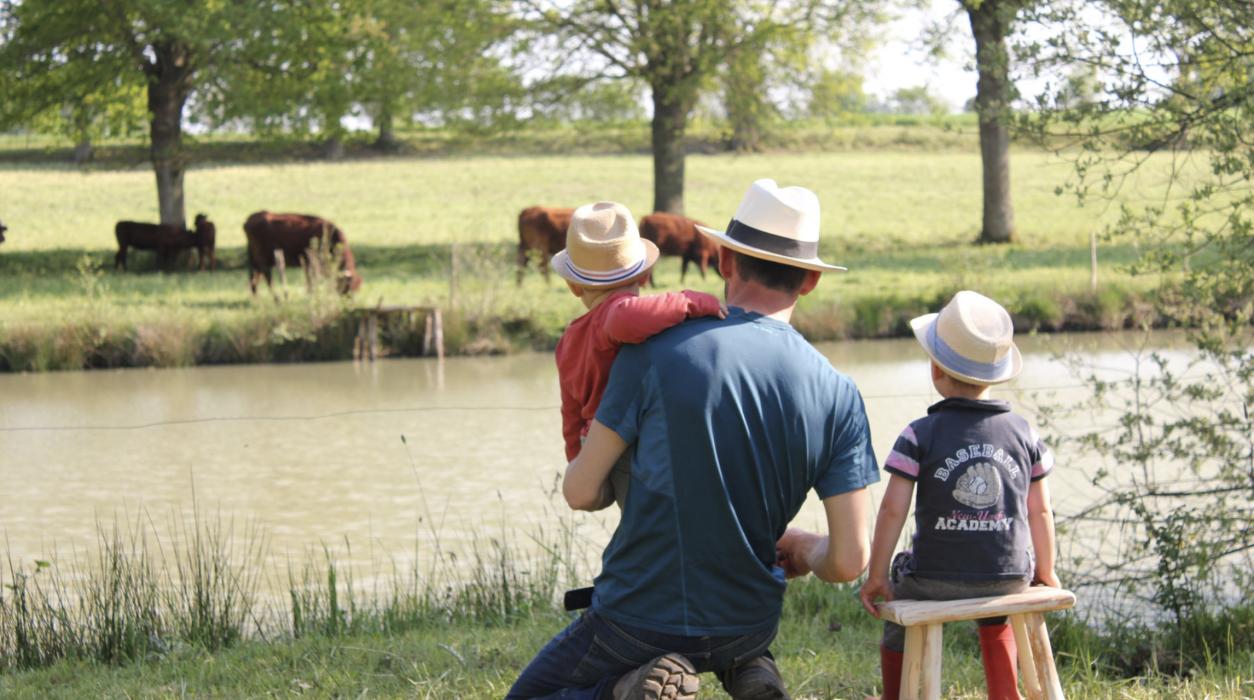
<point x="603" y="247"/>
<point x="972" y="339"/>
<point x="780" y="224"/>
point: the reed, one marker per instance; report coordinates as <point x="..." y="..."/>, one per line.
<point x="141" y="595"/>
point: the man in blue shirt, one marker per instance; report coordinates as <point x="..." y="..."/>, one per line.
<point x="730" y="423"/>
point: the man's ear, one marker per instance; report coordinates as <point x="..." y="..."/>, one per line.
<point x="725" y="263"/>
<point x="574" y="288"/>
<point x="810" y="282"/>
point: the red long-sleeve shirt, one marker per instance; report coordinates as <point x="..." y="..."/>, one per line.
<point x="587" y="349"/>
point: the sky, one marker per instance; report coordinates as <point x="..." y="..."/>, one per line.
<point x="902" y="61"/>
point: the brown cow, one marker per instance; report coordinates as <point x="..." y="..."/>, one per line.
<point x="541" y="229"/>
<point x="678" y="235"/>
<point x="280" y="239"/>
<point x="167" y="240"/>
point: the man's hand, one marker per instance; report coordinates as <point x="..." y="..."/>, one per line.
<point x="875" y="587"/>
<point x="794" y="550"/>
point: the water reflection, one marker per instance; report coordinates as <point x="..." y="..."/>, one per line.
<point x="313" y="453"/>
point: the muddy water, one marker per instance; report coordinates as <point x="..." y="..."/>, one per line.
<point x="313" y="454"/>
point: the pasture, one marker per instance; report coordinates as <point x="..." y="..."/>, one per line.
<point x="441" y="231"/>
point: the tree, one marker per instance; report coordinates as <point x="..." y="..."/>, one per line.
<point x="917" y="100"/>
<point x="836" y="93"/>
<point x="1175" y="83"/>
<point x="675" y="47"/>
<point x="168" y="46"/>
<point x="991" y="23"/>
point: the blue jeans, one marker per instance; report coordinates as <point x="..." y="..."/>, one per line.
<point x="585" y="660"/>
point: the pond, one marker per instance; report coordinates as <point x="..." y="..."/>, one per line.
<point x="380" y="462"/>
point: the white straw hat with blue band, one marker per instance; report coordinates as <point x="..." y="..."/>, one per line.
<point x="972" y="339"/>
<point x="780" y="224"/>
<point x="604" y="248"/>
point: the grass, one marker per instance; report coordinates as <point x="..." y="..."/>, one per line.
<point x="142" y="617"/>
<point x="441" y="231"/>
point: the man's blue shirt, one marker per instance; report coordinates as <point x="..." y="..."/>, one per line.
<point x="733" y="422"/>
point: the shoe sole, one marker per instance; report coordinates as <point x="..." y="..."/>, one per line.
<point x="671" y="678"/>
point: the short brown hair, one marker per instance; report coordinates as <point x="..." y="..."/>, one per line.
<point x="777" y="276"/>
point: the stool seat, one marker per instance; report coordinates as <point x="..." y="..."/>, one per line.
<point x="924" y="620"/>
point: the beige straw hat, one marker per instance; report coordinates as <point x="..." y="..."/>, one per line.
<point x="603" y="247"/>
<point x="780" y="224"/>
<point x="972" y="339"/>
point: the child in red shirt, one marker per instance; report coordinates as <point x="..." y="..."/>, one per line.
<point x="604" y="264"/>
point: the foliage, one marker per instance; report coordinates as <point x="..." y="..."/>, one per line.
<point x="1177" y="469"/>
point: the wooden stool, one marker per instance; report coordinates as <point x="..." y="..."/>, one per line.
<point x="923" y="620"/>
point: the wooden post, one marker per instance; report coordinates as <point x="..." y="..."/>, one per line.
<point x="428" y="331"/>
<point x="372" y="333"/>
<point x="1093" y="261"/>
<point x="438" y="333"/>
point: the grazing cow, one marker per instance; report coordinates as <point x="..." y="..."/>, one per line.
<point x="3" y="228"/>
<point x="541" y="229"/>
<point x="678" y="235"/>
<point x="281" y="239"/>
<point x="167" y="240"/>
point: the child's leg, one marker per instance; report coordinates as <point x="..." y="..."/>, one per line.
<point x="891" y="657"/>
<point x="998" y="651"/>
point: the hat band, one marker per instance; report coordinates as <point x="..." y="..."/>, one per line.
<point x="780" y="245"/>
<point x="952" y="360"/>
<point x="606" y="277"/>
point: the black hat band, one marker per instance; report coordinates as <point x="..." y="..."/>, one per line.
<point x="771" y="243"/>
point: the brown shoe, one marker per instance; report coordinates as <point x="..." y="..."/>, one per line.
<point x="669" y="677"/>
<point x="755" y="679"/>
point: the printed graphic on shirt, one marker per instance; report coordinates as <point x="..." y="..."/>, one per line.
<point x="979" y="486"/>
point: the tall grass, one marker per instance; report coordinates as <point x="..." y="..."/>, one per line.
<point x="138" y="596"/>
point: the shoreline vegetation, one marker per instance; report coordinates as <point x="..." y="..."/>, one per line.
<point x="434" y="225"/>
<point x="190" y="614"/>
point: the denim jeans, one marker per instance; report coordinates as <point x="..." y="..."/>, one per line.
<point x="585" y="660"/>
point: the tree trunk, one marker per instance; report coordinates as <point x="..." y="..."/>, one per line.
<point x="83" y="151"/>
<point x="387" y="134"/>
<point x="670" y="118"/>
<point x="168" y="85"/>
<point x="990" y="24"/>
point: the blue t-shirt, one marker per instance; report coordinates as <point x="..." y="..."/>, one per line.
<point x="733" y="422"/>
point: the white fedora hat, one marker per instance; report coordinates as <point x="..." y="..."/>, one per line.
<point x="780" y="224"/>
<point x="972" y="339"/>
<point x="603" y="247"/>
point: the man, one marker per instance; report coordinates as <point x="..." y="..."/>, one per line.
<point x="731" y="423"/>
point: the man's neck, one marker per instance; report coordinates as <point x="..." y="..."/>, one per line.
<point x="752" y="296"/>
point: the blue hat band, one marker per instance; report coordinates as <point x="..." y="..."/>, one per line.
<point x="951" y="360"/>
<point x="600" y="278"/>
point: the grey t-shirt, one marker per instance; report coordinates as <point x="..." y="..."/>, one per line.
<point x="972" y="462"/>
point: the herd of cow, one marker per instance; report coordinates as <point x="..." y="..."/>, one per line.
<point x="278" y="240"/>
<point x="274" y="240"/>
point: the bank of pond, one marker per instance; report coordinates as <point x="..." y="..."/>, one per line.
<point x="68" y="310"/>
<point x="143" y="619"/>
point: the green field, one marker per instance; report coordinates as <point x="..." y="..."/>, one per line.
<point x="441" y="231"/>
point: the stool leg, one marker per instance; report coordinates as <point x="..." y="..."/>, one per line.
<point x="932" y="648"/>
<point x="1027" y="666"/>
<point x="912" y="664"/>
<point x="1043" y="655"/>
